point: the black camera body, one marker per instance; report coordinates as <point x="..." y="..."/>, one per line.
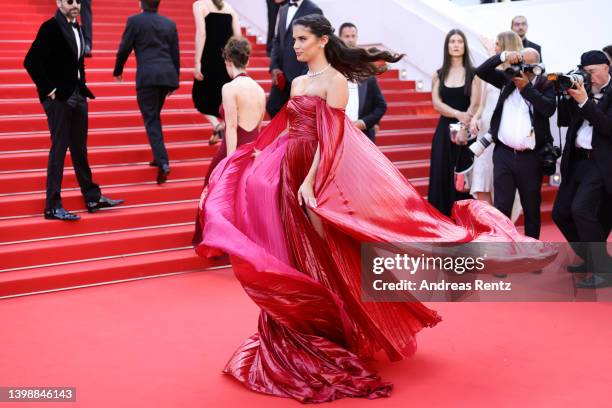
<point x="517" y="70"/>
<point x="549" y="154"/>
<point x="563" y="82"/>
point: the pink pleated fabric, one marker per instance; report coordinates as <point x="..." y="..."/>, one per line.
<point x="315" y="332"/>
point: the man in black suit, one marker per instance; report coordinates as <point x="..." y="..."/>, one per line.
<point x="55" y="62"/>
<point x="366" y="105"/>
<point x="273" y="7"/>
<point x="155" y="41"/>
<point x="86" y="19"/>
<point x="519" y="26"/>
<point x="582" y="208"/>
<point x="520" y="128"/>
<point x="284" y="65"/>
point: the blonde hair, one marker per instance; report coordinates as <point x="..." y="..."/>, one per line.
<point x="509" y="41"/>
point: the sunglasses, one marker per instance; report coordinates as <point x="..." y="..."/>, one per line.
<point x="70" y="2"/>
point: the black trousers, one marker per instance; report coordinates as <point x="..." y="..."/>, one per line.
<point x="151" y="101"/>
<point x="522" y="171"/>
<point x="582" y="211"/>
<point x="86" y="21"/>
<point x="277" y="99"/>
<point x="68" y="121"/>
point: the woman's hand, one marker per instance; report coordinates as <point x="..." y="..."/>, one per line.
<point x="197" y="72"/>
<point x="475" y="125"/>
<point x="463" y="117"/>
<point x="255" y="153"/>
<point x="305" y="194"/>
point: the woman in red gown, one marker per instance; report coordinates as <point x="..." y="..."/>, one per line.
<point x="292" y="220"/>
<point x="243" y="107"/>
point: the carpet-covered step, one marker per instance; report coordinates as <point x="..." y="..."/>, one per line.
<point x="16" y="205"/>
<point x="48" y="252"/>
<point x="389" y="122"/>
<point x="404" y="136"/>
<point x="106" y="270"/>
<point x="107" y="137"/>
<point x="115" y="219"/>
<point x="104" y="175"/>
<point x="141" y="154"/>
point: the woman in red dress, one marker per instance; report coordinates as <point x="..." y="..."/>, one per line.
<point x="292" y="220"/>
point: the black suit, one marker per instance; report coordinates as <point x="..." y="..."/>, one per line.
<point x="529" y="44"/>
<point x="283" y="56"/>
<point x="520" y="170"/>
<point x="87" y="22"/>
<point x="372" y="106"/>
<point x="273" y="8"/>
<point x="154" y="39"/>
<point x="55" y="63"/>
<point x="582" y="208"/>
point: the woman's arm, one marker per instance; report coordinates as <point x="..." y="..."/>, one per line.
<point x="442" y="108"/>
<point x="230" y="108"/>
<point x="475" y="122"/>
<point x="476" y="96"/>
<point x="199" y="12"/>
<point x="235" y="22"/>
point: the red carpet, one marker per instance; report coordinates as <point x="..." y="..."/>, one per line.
<point x="163" y="343"/>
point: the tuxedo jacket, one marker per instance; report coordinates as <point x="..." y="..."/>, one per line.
<point x="529" y="44"/>
<point x="372" y="105"/>
<point x="599" y="116"/>
<point x="154" y="39"/>
<point x="541" y="97"/>
<point x="53" y="61"/>
<point x="282" y="55"/>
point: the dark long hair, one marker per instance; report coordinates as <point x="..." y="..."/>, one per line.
<point x="218" y="4"/>
<point x="467" y="62"/>
<point x="356" y="64"/>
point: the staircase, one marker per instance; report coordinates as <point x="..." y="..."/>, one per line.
<point x="150" y="234"/>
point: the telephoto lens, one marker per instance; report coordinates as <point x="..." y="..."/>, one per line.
<point x="480" y="145"/>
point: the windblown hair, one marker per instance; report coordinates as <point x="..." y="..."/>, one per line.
<point x="218" y="4"/>
<point x="356" y="64"/>
<point x="149" y="5"/>
<point x="470" y="71"/>
<point x="237" y="51"/>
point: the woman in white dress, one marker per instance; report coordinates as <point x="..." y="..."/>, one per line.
<point x="482" y="175"/>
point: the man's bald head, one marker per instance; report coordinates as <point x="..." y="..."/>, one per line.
<point x="530" y="56"/>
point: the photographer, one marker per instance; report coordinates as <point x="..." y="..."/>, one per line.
<point x="521" y="131"/>
<point x="581" y="210"/>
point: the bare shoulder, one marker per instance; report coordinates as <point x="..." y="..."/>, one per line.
<point x="200" y="7"/>
<point x="297" y="84"/>
<point x="338" y="80"/>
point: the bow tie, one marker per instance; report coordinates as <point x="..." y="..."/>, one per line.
<point x="74" y="25"/>
<point x="293" y="3"/>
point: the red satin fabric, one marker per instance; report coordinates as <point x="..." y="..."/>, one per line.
<point x="314" y="330"/>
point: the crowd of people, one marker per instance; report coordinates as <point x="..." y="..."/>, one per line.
<point x="292" y="201"/>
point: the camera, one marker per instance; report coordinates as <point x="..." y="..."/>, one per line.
<point x="517" y="70"/>
<point x="479" y="146"/>
<point x="571" y="80"/>
<point x="549" y="154"/>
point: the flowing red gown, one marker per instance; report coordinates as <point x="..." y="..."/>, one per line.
<point x="315" y="332"/>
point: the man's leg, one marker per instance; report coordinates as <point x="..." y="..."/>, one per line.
<point x="150" y="103"/>
<point x="78" y="150"/>
<point x="528" y="175"/>
<point x="86" y="20"/>
<point x="503" y="180"/>
<point x="277" y="100"/>
<point x="59" y="117"/>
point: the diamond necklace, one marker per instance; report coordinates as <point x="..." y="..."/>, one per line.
<point x="310" y="74"/>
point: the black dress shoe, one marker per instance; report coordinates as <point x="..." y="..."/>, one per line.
<point x="577" y="268"/>
<point x="152" y="163"/>
<point x="162" y="173"/>
<point x="595" y="281"/>
<point x="60" y="214"/>
<point x="103" y="202"/>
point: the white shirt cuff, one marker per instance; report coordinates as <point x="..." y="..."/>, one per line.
<point x="580" y="105"/>
<point x="52" y="92"/>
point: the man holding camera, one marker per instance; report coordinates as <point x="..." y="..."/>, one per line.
<point x="521" y="131"/>
<point x="582" y="208"/>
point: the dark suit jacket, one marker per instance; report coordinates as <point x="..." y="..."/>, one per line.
<point x="372" y="105"/>
<point x="53" y="61"/>
<point x="541" y="96"/>
<point x="155" y="40"/>
<point x="529" y="44"/>
<point x="283" y="56"/>
<point x="599" y="116"/>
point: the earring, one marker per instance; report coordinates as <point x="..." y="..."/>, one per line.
<point x="322" y="46"/>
